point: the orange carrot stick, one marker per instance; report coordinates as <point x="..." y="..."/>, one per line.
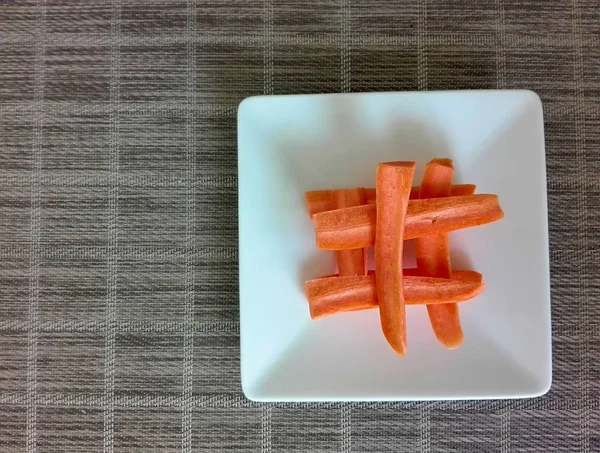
<point x="324" y="200"/>
<point x="370" y="195"/>
<point x="456" y="190"/>
<point x="319" y="201"/>
<point x="351" y="228"/>
<point x="333" y="294"/>
<point x="442" y="215"/>
<point x="433" y="255"/>
<point x="462" y="190"/>
<point x="350" y="262"/>
<point x="464" y="275"/>
<point x="393" y="183"/>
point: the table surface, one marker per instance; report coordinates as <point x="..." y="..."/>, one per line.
<point x="118" y="226"/>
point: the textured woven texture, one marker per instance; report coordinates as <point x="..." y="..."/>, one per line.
<point x="118" y="227"/>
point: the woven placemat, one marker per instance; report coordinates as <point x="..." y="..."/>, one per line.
<point x="119" y="322"/>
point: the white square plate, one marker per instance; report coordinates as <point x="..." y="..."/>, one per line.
<point x="290" y="144"/>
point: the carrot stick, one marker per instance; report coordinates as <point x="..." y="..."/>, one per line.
<point x="324" y="200"/>
<point x="355" y="227"/>
<point x="456" y="190"/>
<point x="393" y="183"/>
<point x="337" y="294"/>
<point x="319" y="201"/>
<point x="351" y="262"/>
<point x="333" y="294"/>
<point x="462" y="190"/>
<point x="466" y="275"/>
<point x="370" y="195"/>
<point x="433" y="255"/>
<point x="457" y="274"/>
<point x="442" y="215"/>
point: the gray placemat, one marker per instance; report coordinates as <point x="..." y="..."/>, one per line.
<point x="118" y="226"/>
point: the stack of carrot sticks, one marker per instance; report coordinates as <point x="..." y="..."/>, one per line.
<point x="350" y="220"/>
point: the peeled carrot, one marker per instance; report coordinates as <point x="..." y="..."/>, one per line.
<point x="350" y="262"/>
<point x="393" y="184"/>
<point x="462" y="190"/>
<point x="370" y="195"/>
<point x="442" y="215"/>
<point x="457" y="274"/>
<point x="333" y="294"/>
<point x="324" y="200"/>
<point x="319" y="201"/>
<point x="350" y="228"/>
<point x="433" y="255"/>
<point x="466" y="275"/>
<point x="456" y="190"/>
